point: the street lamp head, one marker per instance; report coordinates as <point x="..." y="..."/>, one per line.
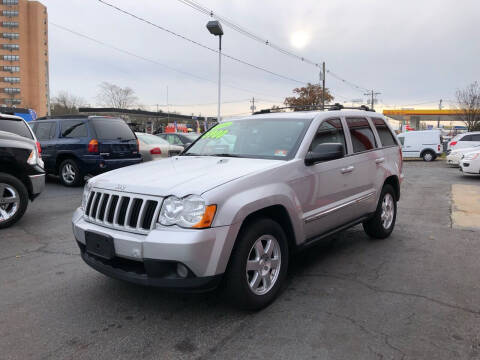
<point x="215" y="28"/>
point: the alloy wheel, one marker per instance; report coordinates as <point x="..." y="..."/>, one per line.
<point x="9" y="202"/>
<point x="263" y="264"/>
<point x="68" y="173"/>
<point x="388" y="210"/>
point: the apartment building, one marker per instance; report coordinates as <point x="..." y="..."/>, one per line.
<point x="24" y="79"/>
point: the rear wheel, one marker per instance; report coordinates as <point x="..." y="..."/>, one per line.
<point x="381" y="225"/>
<point x="428" y="156"/>
<point x="258" y="265"/>
<point x="70" y="174"/>
<point x="13" y="200"/>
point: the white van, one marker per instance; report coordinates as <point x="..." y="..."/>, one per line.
<point x="465" y="140"/>
<point x="426" y="144"/>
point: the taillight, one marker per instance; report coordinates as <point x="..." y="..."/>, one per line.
<point x="93" y="146"/>
<point x="39" y="149"/>
<point x="453" y="143"/>
<point x="156" y="151"/>
<point x="438" y="148"/>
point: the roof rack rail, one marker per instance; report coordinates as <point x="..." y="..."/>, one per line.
<point x="330" y="107"/>
<point x="79" y="116"/>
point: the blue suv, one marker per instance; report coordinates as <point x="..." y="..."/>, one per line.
<point x="74" y="146"/>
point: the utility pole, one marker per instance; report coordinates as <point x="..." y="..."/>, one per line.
<point x="372" y="101"/>
<point x="323" y="85"/>
<point x="439" y="108"/>
<point x="252" y="107"/>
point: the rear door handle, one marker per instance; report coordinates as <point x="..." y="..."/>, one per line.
<point x="347" y="170"/>
<point x="380" y="160"/>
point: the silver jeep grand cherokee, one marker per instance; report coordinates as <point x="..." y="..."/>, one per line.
<point x="241" y="200"/>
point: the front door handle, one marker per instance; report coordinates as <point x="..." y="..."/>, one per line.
<point x="347" y="170"/>
<point x="380" y="160"/>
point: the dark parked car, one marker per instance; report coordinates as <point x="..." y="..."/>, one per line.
<point x="74" y="146"/>
<point x="21" y="173"/>
<point x="180" y="139"/>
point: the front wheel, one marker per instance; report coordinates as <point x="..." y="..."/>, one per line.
<point x="13" y="200"/>
<point x="381" y="225"/>
<point x="258" y="265"/>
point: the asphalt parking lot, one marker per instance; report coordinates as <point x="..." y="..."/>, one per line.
<point x="415" y="295"/>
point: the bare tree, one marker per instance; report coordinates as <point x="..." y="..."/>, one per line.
<point x="65" y="103"/>
<point x="468" y="101"/>
<point x="114" y="96"/>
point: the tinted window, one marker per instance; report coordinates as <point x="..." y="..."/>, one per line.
<point x="45" y="130"/>
<point x="18" y="127"/>
<point x="476" y="137"/>
<point x="112" y="129"/>
<point x="330" y="131"/>
<point x="74" y="129"/>
<point x="386" y="137"/>
<point x="467" y="138"/>
<point x="361" y="134"/>
<point x="401" y="139"/>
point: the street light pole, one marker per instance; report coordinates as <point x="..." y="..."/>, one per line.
<point x="219" y="76"/>
<point x="215" y="28"/>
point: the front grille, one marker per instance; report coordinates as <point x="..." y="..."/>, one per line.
<point x="122" y="211"/>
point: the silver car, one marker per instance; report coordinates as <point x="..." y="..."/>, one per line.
<point x="236" y="210"/>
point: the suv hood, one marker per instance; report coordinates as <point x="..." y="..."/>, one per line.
<point x="180" y="175"/>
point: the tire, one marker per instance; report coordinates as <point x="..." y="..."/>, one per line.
<point x="263" y="291"/>
<point x="428" y="156"/>
<point x="377" y="227"/>
<point x="10" y="210"/>
<point x="70" y="174"/>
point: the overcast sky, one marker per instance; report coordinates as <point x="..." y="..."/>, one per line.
<point x="412" y="51"/>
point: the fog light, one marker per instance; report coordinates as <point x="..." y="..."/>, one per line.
<point x="182" y="270"/>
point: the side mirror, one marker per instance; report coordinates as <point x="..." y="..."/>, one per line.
<point x="324" y="152"/>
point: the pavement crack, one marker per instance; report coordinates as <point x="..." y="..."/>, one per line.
<point x="395" y="292"/>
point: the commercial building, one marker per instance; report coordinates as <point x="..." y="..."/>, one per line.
<point x="420" y="118"/>
<point x="24" y="79"/>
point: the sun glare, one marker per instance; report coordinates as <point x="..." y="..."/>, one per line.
<point x="300" y="39"/>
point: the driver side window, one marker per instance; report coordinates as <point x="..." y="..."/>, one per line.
<point x="329" y="131"/>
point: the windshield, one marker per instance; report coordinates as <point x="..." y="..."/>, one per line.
<point x="112" y="129"/>
<point x="151" y="139"/>
<point x="15" y="126"/>
<point x="252" y="138"/>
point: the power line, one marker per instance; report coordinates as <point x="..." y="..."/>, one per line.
<point x="148" y="59"/>
<point x="198" y="7"/>
<point x="199" y="44"/>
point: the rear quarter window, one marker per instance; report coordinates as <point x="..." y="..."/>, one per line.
<point x="18" y="127"/>
<point x="112" y="129"/>
<point x="386" y="136"/>
<point x="74" y="129"/>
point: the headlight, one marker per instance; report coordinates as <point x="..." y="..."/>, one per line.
<point x="188" y="212"/>
<point x="471" y="156"/>
<point x="86" y="194"/>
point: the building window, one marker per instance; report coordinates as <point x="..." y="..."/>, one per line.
<point x="11" y="80"/>
<point x="12" y="90"/>
<point x="11" y="57"/>
<point x="10" y="2"/>
<point x="12" y="101"/>
<point x="10" y="47"/>
<point x="11" y="69"/>
<point x="10" y="35"/>
<point x="10" y="13"/>
<point x="10" y="24"/>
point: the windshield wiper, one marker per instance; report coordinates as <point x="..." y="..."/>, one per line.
<point x="227" y="155"/>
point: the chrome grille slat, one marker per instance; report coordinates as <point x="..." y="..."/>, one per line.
<point x="103" y="204"/>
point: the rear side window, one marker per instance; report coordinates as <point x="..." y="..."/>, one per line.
<point x="361" y="134"/>
<point x="329" y="131"/>
<point x="74" y="129"/>
<point x="476" y="137"/>
<point x="45" y="130"/>
<point x="467" y="138"/>
<point x="386" y="136"/>
<point x="112" y="129"/>
<point x="401" y="139"/>
<point x="18" y="127"/>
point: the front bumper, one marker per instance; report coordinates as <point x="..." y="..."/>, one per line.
<point x="151" y="259"/>
<point x="453" y="160"/>
<point x="469" y="167"/>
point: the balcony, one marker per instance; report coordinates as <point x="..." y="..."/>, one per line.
<point x="11" y="90"/>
